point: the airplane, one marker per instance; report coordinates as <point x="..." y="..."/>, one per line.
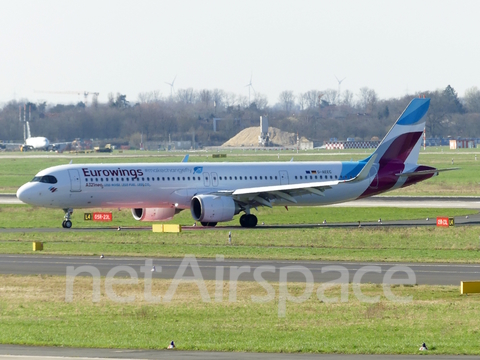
<point x="216" y="192"/>
<point x="34" y="143"/>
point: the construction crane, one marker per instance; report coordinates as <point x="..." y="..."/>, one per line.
<point x="79" y="93"/>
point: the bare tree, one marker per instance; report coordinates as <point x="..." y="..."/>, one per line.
<point x="218" y="97"/>
<point x="261" y="101"/>
<point x="186" y="96"/>
<point x="230" y="99"/>
<point x="205" y="96"/>
<point x="347" y="98"/>
<point x="301" y="101"/>
<point x="367" y="99"/>
<point x="472" y="99"/>
<point x="311" y="98"/>
<point x="330" y="96"/>
<point x="287" y="99"/>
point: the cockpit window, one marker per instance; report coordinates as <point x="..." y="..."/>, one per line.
<point x="48" y="179"/>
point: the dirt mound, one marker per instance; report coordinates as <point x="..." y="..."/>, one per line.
<point x="249" y="137"/>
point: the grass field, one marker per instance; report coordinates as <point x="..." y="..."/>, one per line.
<point x="33" y="311"/>
<point x="464" y="182"/>
<point x="430" y="244"/>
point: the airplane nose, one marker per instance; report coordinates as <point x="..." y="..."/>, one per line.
<point x="24" y="193"/>
<point x="21" y="193"/>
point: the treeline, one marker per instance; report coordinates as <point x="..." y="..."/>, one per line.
<point x="317" y="115"/>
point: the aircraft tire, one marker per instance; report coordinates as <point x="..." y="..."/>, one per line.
<point x="68" y="224"/>
<point x="243" y="220"/>
<point x="252" y="221"/>
<point x="248" y="221"/>
<point x="212" y="224"/>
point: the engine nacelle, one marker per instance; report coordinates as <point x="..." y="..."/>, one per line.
<point x="213" y="208"/>
<point x="153" y="214"/>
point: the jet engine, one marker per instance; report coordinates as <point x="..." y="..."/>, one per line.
<point x="213" y="208"/>
<point x="153" y="214"/>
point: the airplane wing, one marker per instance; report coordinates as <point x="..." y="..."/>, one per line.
<point x="262" y="195"/>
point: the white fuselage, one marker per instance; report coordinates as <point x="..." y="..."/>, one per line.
<point x="37" y="143"/>
<point x="146" y="185"/>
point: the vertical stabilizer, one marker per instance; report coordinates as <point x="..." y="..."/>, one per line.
<point x="29" y="135"/>
<point x="402" y="143"/>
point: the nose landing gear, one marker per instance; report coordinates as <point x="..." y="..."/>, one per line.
<point x="67" y="223"/>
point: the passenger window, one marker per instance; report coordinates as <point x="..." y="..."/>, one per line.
<point x="250" y="178"/>
<point x="301" y="177"/>
<point x="230" y="178"/>
<point x="315" y="176"/>
<point x="235" y="178"/>
<point x="335" y="176"/>
<point x="163" y="179"/>
<point x="240" y="178"/>
<point x="275" y="178"/>
<point x="255" y="178"/>
<point x="122" y="179"/>
<point x="188" y="178"/>
<point x="295" y="177"/>
<point x="260" y="178"/>
<point x="168" y="178"/>
<point x="271" y="178"/>
<point x="101" y="179"/>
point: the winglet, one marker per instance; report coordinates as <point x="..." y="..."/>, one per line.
<point x="185" y="158"/>
<point x="366" y="169"/>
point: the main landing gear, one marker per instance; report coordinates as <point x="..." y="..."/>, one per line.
<point x="67" y="223"/>
<point x="212" y="224"/>
<point x="248" y="220"/>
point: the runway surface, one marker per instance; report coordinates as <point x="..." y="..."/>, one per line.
<point x="166" y="268"/>
<point x="14" y="352"/>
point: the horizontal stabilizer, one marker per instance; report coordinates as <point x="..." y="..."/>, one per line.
<point x="425" y="172"/>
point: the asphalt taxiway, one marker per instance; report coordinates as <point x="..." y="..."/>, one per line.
<point x="14" y="352"/>
<point x="167" y="268"/>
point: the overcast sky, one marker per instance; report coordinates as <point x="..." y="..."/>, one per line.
<point x="393" y="47"/>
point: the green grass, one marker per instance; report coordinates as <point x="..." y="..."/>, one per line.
<point x="26" y="216"/>
<point x="458" y="244"/>
<point x="33" y="311"/>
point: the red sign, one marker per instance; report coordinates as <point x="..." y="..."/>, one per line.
<point x="100" y="216"/>
<point x="442" y="221"/>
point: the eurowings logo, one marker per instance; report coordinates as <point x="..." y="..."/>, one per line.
<point x="52" y="189"/>
<point x="198" y="169"/>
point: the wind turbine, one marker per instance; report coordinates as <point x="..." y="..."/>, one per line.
<point x="339" y="83"/>
<point x="171" y="85"/>
<point x="250" y="86"/>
